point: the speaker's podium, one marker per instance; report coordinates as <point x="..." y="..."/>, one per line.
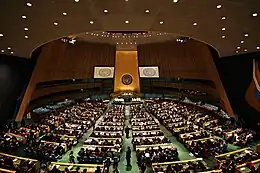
<point x="258" y="148"/>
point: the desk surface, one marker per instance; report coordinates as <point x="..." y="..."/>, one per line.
<point x="233" y="152"/>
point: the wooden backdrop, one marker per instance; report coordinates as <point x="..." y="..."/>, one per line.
<point x="61" y="61"/>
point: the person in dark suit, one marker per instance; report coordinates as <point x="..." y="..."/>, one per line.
<point x="128" y="156"/>
<point x="127" y="132"/>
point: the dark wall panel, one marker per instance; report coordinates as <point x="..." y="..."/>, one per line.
<point x="14" y="76"/>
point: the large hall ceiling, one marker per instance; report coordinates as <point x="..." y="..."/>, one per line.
<point x="230" y="26"/>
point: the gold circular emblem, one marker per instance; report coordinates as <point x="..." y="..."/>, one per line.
<point x="127" y="79"/>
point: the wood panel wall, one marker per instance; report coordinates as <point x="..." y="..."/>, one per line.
<point x="62" y="61"/>
<point x="191" y="59"/>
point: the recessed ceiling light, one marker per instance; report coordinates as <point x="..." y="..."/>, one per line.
<point x="223" y="29"/>
<point x="237" y="51"/>
<point x="56" y="23"/>
<point x="254" y="14"/>
<point x="242" y="41"/>
<point x="223" y="17"/>
<point x="219" y="6"/>
<point x="64" y="14"/>
<point x="238" y="47"/>
<point x="9" y="48"/>
<point x="12" y="52"/>
<point x="91" y="22"/>
<point x="246" y="35"/>
<point x="76" y="0"/>
<point x="258" y="47"/>
<point x="1" y="35"/>
<point x="175" y="1"/>
<point x="223" y="36"/>
<point x="26" y="29"/>
<point x="2" y="50"/>
<point x="245" y="50"/>
<point x="126" y="21"/>
<point x="147" y="11"/>
<point x="161" y="22"/>
<point x="105" y="11"/>
<point x="195" y="24"/>
<point x="126" y="0"/>
<point x="26" y="36"/>
<point x="29" y="4"/>
<point x="24" y="17"/>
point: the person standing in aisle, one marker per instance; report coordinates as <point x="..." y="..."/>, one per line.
<point x="127" y="129"/>
<point x="128" y="156"/>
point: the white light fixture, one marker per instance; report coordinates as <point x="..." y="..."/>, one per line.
<point x="26" y="36"/>
<point x="219" y="6"/>
<point x="76" y="0"/>
<point x="238" y="47"/>
<point x="105" y="11"/>
<point x="24" y="17"/>
<point x="56" y="23"/>
<point x="29" y="4"/>
<point x="223" y="17"/>
<point x="175" y="1"/>
<point x="254" y="14"/>
<point x="223" y="36"/>
<point x="237" y="51"/>
<point x="246" y="35"/>
<point x="9" y="48"/>
<point x="117" y="43"/>
<point x="195" y="24"/>
<point x="223" y="29"/>
<point x="161" y="22"/>
<point x="1" y="35"/>
<point x="26" y="29"/>
<point x="12" y="52"/>
<point x="64" y="14"/>
<point x="2" y="50"/>
<point x="242" y="41"/>
<point x="91" y="22"/>
<point x="245" y="50"/>
<point x="258" y="47"/>
<point x="126" y="21"/>
<point x="147" y="11"/>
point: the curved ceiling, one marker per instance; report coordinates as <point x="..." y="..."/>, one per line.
<point x="231" y="26"/>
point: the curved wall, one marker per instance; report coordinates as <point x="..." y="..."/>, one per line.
<point x="62" y="61"/>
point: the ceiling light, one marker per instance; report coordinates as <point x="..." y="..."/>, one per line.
<point x="29" y="4"/>
<point x="254" y="14"/>
<point x="126" y="21"/>
<point x="56" y="23"/>
<point x="147" y="11"/>
<point x="161" y="22"/>
<point x="76" y="0"/>
<point x="258" y="47"/>
<point x="245" y="50"/>
<point x="195" y="24"/>
<point x="117" y="43"/>
<point x="26" y="29"/>
<point x="23" y="16"/>
<point x="12" y="52"/>
<point x="223" y="36"/>
<point x="223" y="18"/>
<point x="64" y="14"/>
<point x="9" y="48"/>
<point x="246" y="35"/>
<point x="1" y="35"/>
<point x="237" y="51"/>
<point x="175" y="1"/>
<point x="242" y="41"/>
<point x="26" y="36"/>
<point x="223" y="29"/>
<point x="91" y="22"/>
<point x="219" y="6"/>
<point x="105" y="11"/>
<point x="238" y="47"/>
<point x="2" y="50"/>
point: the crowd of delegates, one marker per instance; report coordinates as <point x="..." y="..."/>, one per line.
<point x="200" y="130"/>
<point x="192" y="92"/>
<point x="229" y="161"/>
<point x="149" y="142"/>
<point x="104" y="143"/>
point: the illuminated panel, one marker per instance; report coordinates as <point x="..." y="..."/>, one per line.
<point x="126" y="72"/>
